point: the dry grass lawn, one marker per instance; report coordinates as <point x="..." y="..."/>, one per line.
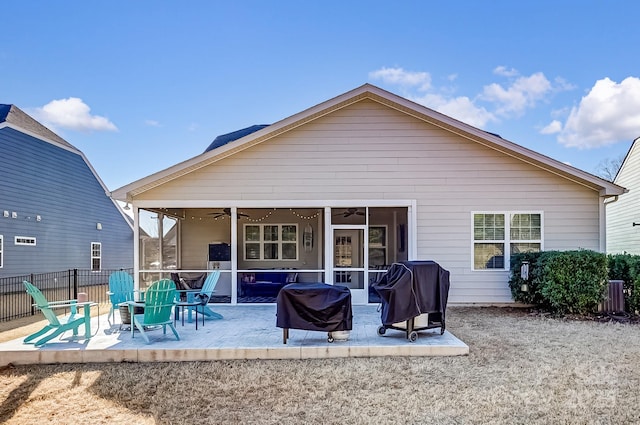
<point x="522" y="369"/>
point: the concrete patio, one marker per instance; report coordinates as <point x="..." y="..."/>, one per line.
<point x="246" y="332"/>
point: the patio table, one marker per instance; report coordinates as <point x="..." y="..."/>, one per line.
<point x="182" y="305"/>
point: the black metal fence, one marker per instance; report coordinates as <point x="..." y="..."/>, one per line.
<point x="56" y="286"/>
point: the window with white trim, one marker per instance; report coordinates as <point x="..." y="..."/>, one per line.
<point x="1" y="252"/>
<point x="270" y="242"/>
<point x="24" y="240"/>
<point x="96" y="256"/>
<point x="496" y="236"/>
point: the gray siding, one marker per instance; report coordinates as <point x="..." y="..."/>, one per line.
<point x="40" y="179"/>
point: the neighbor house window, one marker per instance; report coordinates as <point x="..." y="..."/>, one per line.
<point x="96" y="256"/>
<point x="24" y="240"/>
<point x="496" y="236"/>
<point x="271" y="242"/>
<point x="1" y="252"/>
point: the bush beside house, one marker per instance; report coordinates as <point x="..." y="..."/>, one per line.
<point x="561" y="281"/>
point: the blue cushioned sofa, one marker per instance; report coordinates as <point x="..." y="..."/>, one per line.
<point x="263" y="283"/>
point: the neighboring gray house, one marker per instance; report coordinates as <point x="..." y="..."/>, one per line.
<point x="55" y="213"/>
<point x="623" y="213"/>
<point x="343" y="189"/>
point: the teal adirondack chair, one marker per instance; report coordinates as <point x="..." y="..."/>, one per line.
<point x="203" y="295"/>
<point x="55" y="326"/>
<point x="159" y="300"/>
<point x="120" y="290"/>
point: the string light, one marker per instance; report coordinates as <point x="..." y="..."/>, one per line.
<point x="305" y="217"/>
<point x="266" y="216"/>
<point x="256" y="220"/>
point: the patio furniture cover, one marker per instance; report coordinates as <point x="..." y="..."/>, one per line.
<point x="411" y="288"/>
<point x="314" y="307"/>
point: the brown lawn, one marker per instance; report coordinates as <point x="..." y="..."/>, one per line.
<point x="522" y="369"/>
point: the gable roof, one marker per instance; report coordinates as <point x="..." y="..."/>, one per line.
<point x="15" y="117"/>
<point x="223" y="139"/>
<point x="627" y="158"/>
<point x="376" y="94"/>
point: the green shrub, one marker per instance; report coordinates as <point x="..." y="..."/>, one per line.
<point x="532" y="294"/>
<point x="626" y="267"/>
<point x="573" y="281"/>
<point x="567" y="282"/>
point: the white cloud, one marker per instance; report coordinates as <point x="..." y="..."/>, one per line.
<point x="421" y="80"/>
<point x="497" y="100"/>
<point x="502" y="70"/>
<point x="609" y="113"/>
<point x="461" y="108"/>
<point x="73" y="114"/>
<point x="152" y="123"/>
<point x="523" y="93"/>
<point x="553" y="127"/>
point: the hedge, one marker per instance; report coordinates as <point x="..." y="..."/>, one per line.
<point x="561" y="281"/>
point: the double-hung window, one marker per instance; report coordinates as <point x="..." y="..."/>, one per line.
<point x="96" y="256"/>
<point x="270" y="241"/>
<point x="498" y="235"/>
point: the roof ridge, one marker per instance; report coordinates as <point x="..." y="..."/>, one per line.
<point x="11" y="114"/>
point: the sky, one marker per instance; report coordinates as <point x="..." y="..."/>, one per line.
<point x="139" y="86"/>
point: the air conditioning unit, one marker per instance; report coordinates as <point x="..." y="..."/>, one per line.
<point x="614" y="303"/>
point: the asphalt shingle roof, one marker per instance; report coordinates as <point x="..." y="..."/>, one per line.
<point x="13" y="115"/>
<point x="223" y="139"/>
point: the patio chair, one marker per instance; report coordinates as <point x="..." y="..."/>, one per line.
<point x="203" y="295"/>
<point x="70" y="323"/>
<point x="120" y="291"/>
<point x="159" y="299"/>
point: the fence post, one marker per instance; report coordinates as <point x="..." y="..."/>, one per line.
<point x="31" y="281"/>
<point x="75" y="284"/>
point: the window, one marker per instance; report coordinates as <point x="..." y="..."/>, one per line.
<point x="377" y="246"/>
<point x="1" y="252"/>
<point x="24" y="240"/>
<point x="96" y="256"/>
<point x="494" y="232"/>
<point x="271" y="242"/>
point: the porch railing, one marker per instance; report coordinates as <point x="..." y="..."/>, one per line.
<point x="56" y="286"/>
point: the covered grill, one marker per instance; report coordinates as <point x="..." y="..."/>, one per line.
<point x="414" y="297"/>
<point x="314" y="307"/>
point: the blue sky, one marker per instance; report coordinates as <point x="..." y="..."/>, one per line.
<point x="139" y="86"/>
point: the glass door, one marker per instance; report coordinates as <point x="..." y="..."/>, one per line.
<point x="349" y="261"/>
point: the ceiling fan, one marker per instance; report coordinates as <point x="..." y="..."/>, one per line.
<point x="226" y="212"/>
<point x="349" y="212"/>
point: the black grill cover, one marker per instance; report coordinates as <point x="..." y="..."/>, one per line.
<point x="411" y="288"/>
<point x="314" y="307"/>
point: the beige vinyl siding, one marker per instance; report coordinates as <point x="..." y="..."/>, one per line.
<point x="369" y="151"/>
<point x="621" y="214"/>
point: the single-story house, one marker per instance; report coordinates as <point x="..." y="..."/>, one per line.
<point x="341" y="190"/>
<point x="55" y="212"/>
<point x="623" y="215"/>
